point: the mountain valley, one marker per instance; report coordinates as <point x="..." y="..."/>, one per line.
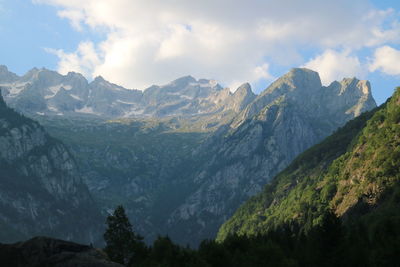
<point x="184" y="156"/>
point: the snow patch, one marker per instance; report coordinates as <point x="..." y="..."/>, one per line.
<point x="52" y="108"/>
<point x="54" y="89"/>
<point x="76" y="97"/>
<point x="49" y="96"/>
<point x="187" y="97"/>
<point x="15" y="88"/>
<point x="86" y="110"/>
<point x="133" y="113"/>
<point x="124" y="102"/>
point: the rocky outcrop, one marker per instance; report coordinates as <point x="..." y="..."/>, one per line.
<point x="7" y="76"/>
<point x="190" y="152"/>
<point x="44" y="251"/>
<point x="45" y="92"/>
<point x="291" y="115"/>
<point x="41" y="190"/>
<point x="354" y="174"/>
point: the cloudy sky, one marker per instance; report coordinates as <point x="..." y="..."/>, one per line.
<point x="137" y="43"/>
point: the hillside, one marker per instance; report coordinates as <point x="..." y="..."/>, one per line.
<point x="354" y="173"/>
<point x="292" y="114"/>
<point x="183" y="156"/>
<point x="41" y="190"/>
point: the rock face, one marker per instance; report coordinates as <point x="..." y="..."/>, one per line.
<point x="46" y="92"/>
<point x="291" y="115"/>
<point x="189" y="153"/>
<point x="41" y="191"/>
<point x="353" y="173"/>
<point x="43" y="251"/>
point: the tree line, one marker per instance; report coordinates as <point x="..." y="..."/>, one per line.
<point x="330" y="244"/>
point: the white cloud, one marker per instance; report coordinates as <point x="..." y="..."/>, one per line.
<point x="84" y="60"/>
<point x="387" y="60"/>
<point x="332" y="65"/>
<point x="75" y="16"/>
<point x="155" y="41"/>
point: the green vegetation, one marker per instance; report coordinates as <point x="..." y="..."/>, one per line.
<point x="328" y="244"/>
<point x="123" y="244"/>
<point x="353" y="174"/>
<point x="289" y="195"/>
<point x="125" y="152"/>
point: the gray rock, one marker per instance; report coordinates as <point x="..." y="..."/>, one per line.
<point x="291" y="115"/>
<point x="45" y="92"/>
<point x="41" y="189"/>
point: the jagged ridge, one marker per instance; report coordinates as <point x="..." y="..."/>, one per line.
<point x="354" y="173"/>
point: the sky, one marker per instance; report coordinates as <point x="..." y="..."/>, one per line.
<point x="138" y="43"/>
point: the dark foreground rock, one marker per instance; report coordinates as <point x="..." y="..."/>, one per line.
<point x="44" y="251"/>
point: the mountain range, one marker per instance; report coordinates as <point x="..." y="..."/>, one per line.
<point x="353" y="175"/>
<point x="45" y="92"/>
<point x="184" y="156"/>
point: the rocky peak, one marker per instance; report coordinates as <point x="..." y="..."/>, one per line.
<point x="362" y="86"/>
<point x="306" y="80"/>
<point x="74" y="76"/>
<point x="6" y="75"/>
<point x="244" y="89"/>
<point x="299" y="85"/>
<point x="185" y="80"/>
<point x="99" y="79"/>
<point x="243" y="96"/>
<point x="100" y="83"/>
<point x="305" y="77"/>
<point x="31" y="74"/>
<point x="352" y="95"/>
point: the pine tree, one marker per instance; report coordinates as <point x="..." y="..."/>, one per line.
<point x="122" y="244"/>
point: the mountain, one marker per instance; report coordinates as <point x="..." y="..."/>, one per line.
<point x="41" y="190"/>
<point x="7" y="76"/>
<point x="187" y="154"/>
<point x="354" y="173"/>
<point x="137" y="163"/>
<point x="45" y="92"/>
<point x="291" y="115"/>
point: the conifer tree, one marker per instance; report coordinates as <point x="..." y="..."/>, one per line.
<point x="121" y="242"/>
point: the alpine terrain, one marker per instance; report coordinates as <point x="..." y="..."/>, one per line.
<point x="354" y="174"/>
<point x="41" y="189"/>
<point x="184" y="156"/>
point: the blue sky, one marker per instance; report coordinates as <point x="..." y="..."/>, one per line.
<point x="139" y="43"/>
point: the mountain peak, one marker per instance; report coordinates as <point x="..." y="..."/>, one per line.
<point x="32" y="73"/>
<point x="304" y="76"/>
<point x="184" y="80"/>
<point x="297" y="78"/>
<point x="3" y="68"/>
<point x="99" y="79"/>
<point x="362" y="85"/>
<point x="6" y="75"/>
<point x="74" y="74"/>
<point x="243" y="96"/>
<point x="244" y="89"/>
